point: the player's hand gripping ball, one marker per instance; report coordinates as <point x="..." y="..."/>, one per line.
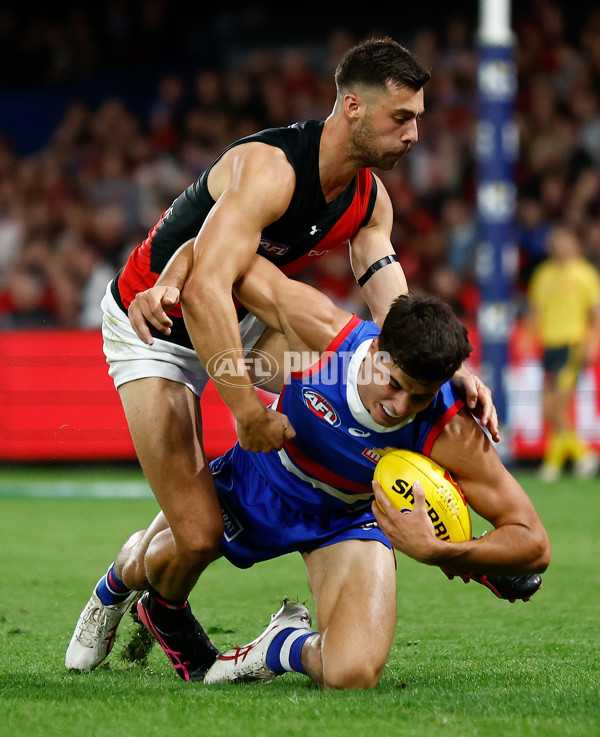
<point x="397" y="471"/>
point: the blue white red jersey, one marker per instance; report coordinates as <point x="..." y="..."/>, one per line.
<point x="329" y="465"/>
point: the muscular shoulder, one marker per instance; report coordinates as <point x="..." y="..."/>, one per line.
<point x="255" y="166"/>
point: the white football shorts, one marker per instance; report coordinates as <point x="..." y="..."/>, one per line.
<point x="129" y="358"/>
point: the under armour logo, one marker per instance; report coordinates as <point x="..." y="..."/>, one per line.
<point x="314" y="230"/>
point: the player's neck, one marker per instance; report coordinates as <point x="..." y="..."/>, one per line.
<point x="336" y="168"/>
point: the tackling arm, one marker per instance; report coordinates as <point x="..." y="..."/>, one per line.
<point x="374" y="261"/>
<point x="151" y="305"/>
<point x="307" y="317"/>
<point x="374" y="265"/>
<point x="252" y="186"/>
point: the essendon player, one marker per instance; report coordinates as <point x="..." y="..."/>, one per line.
<point x="290" y="194"/>
<point x="357" y="390"/>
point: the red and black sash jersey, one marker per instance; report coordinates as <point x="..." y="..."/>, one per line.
<point x="309" y="228"/>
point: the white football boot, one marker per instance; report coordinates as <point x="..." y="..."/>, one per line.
<point x="95" y="632"/>
<point x="249" y="663"/>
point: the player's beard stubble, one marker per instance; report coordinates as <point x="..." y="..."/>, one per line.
<point x="364" y="148"/>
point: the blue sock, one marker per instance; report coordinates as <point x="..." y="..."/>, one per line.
<point x="110" y="589"/>
<point x="284" y="653"/>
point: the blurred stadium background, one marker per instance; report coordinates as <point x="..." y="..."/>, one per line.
<point x="107" y="112"/>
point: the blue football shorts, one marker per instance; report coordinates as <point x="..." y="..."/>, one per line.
<point x="260" y="524"/>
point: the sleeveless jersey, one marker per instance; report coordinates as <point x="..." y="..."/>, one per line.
<point x="309" y="228"/>
<point x="328" y="467"/>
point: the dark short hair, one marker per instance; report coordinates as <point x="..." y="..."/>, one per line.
<point x="424" y="338"/>
<point x="377" y="62"/>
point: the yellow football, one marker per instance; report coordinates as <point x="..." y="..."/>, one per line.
<point x="396" y="472"/>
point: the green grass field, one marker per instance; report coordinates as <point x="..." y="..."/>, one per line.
<point x="463" y="663"/>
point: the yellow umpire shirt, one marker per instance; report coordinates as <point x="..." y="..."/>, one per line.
<point x="563" y="295"/>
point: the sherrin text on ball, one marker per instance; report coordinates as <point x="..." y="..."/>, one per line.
<point x="397" y="471"/>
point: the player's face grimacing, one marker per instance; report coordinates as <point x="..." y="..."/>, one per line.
<point x="392" y="396"/>
<point x="388" y="129"/>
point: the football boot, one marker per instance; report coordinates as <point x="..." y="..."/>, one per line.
<point x="249" y="662"/>
<point x="190" y="651"/>
<point x="95" y="632"/>
<point x="511" y="588"/>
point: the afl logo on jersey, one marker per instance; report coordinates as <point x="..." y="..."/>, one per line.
<point x="271" y="248"/>
<point x="320" y="406"/>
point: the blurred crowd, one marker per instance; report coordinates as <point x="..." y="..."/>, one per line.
<point x="71" y="213"/>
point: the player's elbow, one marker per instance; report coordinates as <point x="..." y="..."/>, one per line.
<point x="199" y="293"/>
<point x="192" y="292"/>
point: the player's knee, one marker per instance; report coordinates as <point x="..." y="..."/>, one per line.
<point x="200" y="549"/>
<point x="134" y="575"/>
<point x="131" y="545"/>
<point x="354" y="676"/>
<point x="199" y="545"/>
<point x="129" y="564"/>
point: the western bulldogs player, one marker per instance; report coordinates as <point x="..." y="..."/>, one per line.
<point x="290" y="194"/>
<point x="367" y="390"/>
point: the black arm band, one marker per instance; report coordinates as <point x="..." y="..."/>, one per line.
<point x="375" y="267"/>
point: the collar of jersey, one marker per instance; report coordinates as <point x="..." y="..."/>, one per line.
<point x="355" y="405"/>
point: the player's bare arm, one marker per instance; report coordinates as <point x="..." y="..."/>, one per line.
<point x="382" y="280"/>
<point x="369" y="247"/>
<point x="252" y="185"/>
<point x="151" y="306"/>
<point x="307" y="317"/>
<point x="517" y="544"/>
<point x="373" y="259"/>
